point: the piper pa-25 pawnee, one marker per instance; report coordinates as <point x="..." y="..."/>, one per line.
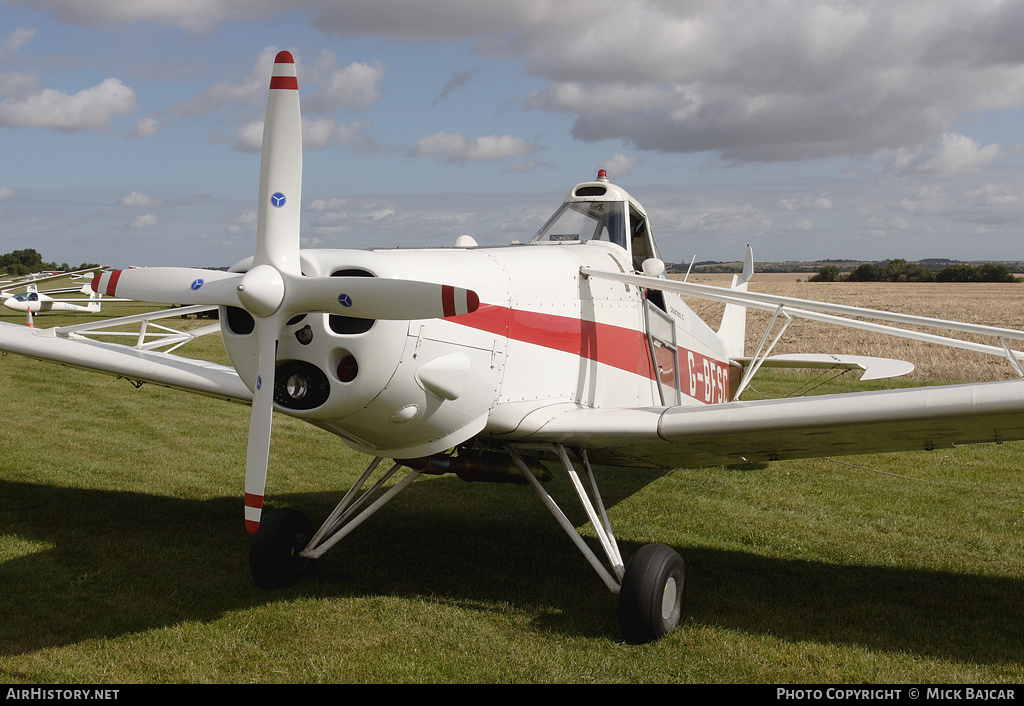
<point x="574" y="349"/>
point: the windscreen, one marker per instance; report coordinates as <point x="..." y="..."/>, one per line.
<point x="591" y="220"/>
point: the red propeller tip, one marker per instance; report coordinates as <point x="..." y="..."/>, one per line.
<point x="284" y="57"/>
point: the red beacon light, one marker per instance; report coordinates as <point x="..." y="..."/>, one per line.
<point x="602" y="175"/>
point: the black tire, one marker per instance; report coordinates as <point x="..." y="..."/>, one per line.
<point x="652" y="595"/>
<point x="274" y="559"/>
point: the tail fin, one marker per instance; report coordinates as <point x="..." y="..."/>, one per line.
<point x="94" y="301"/>
<point x="734" y="321"/>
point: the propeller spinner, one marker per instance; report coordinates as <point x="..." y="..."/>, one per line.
<point x="274" y="289"/>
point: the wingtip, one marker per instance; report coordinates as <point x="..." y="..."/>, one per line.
<point x="284" y="57"/>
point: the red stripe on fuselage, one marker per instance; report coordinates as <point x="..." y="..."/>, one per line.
<point x="616" y="346"/>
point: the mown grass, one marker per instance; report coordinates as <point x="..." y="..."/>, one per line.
<point x="123" y="560"/>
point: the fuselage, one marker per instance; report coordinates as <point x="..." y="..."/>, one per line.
<point x="544" y="337"/>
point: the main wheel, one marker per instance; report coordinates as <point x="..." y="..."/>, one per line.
<point x="274" y="559"/>
<point x="652" y="594"/>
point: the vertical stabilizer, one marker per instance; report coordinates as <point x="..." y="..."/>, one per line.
<point x="734" y="321"/>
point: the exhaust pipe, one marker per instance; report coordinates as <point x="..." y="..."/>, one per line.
<point x="475" y="466"/>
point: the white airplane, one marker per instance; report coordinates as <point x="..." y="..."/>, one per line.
<point x="33" y="301"/>
<point x="574" y="349"/>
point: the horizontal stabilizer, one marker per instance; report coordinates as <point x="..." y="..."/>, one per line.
<point x="874" y="368"/>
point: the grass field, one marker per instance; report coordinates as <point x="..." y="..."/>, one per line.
<point x="123" y="558"/>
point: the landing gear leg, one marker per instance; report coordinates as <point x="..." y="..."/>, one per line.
<point x="651" y="587"/>
<point x="652" y="595"/>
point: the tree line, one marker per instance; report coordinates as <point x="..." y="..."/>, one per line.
<point x="902" y="271"/>
<point x="25" y="262"/>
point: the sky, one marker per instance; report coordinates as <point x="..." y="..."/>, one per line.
<point x="859" y="129"/>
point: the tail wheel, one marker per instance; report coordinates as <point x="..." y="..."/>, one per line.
<point x="652" y="594"/>
<point x="274" y="559"/>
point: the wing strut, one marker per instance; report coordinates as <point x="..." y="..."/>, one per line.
<point x="759" y="356"/>
<point x="344" y="519"/>
<point x="600" y="524"/>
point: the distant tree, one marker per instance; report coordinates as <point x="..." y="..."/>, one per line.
<point x="958" y="272"/>
<point x="867" y="273"/>
<point x="828" y="273"/>
<point x="22" y="262"/>
<point x="990" y="272"/>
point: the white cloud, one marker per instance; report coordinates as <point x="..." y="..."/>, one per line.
<point x="146" y="127"/>
<point x="619" y="166"/>
<point x="140" y="199"/>
<point x="325" y="132"/>
<point x="146" y="220"/>
<point x="808" y="203"/>
<point x="950" y="155"/>
<point x="250" y="90"/>
<point x="89" y="109"/>
<point x="456" y="147"/>
<point x="316" y="134"/>
<point x="7" y="193"/>
<point x="249" y="137"/>
<point x="357" y="85"/>
<point x="16" y="40"/>
<point x="333" y="204"/>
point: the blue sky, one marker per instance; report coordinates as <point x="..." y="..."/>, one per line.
<point x="872" y="130"/>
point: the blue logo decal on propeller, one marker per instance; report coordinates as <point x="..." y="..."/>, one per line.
<point x="345" y="300"/>
<point x="277" y="200"/>
<point x="197" y="284"/>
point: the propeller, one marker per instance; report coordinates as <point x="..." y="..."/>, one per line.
<point x="274" y="289"/>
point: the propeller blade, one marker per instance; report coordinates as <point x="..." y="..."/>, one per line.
<point x="170" y="285"/>
<point x="262" y="289"/>
<point x="280" y="198"/>
<point x="257" y="451"/>
<point x="380" y="298"/>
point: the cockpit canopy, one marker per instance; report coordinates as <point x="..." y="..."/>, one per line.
<point x="586" y="220"/>
<point x="599" y="210"/>
<point x="26" y="297"/>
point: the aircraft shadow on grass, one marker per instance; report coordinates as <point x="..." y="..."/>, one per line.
<point x="100" y="564"/>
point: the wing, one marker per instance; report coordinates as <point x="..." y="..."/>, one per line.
<point x="768" y="430"/>
<point x="136" y="364"/>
